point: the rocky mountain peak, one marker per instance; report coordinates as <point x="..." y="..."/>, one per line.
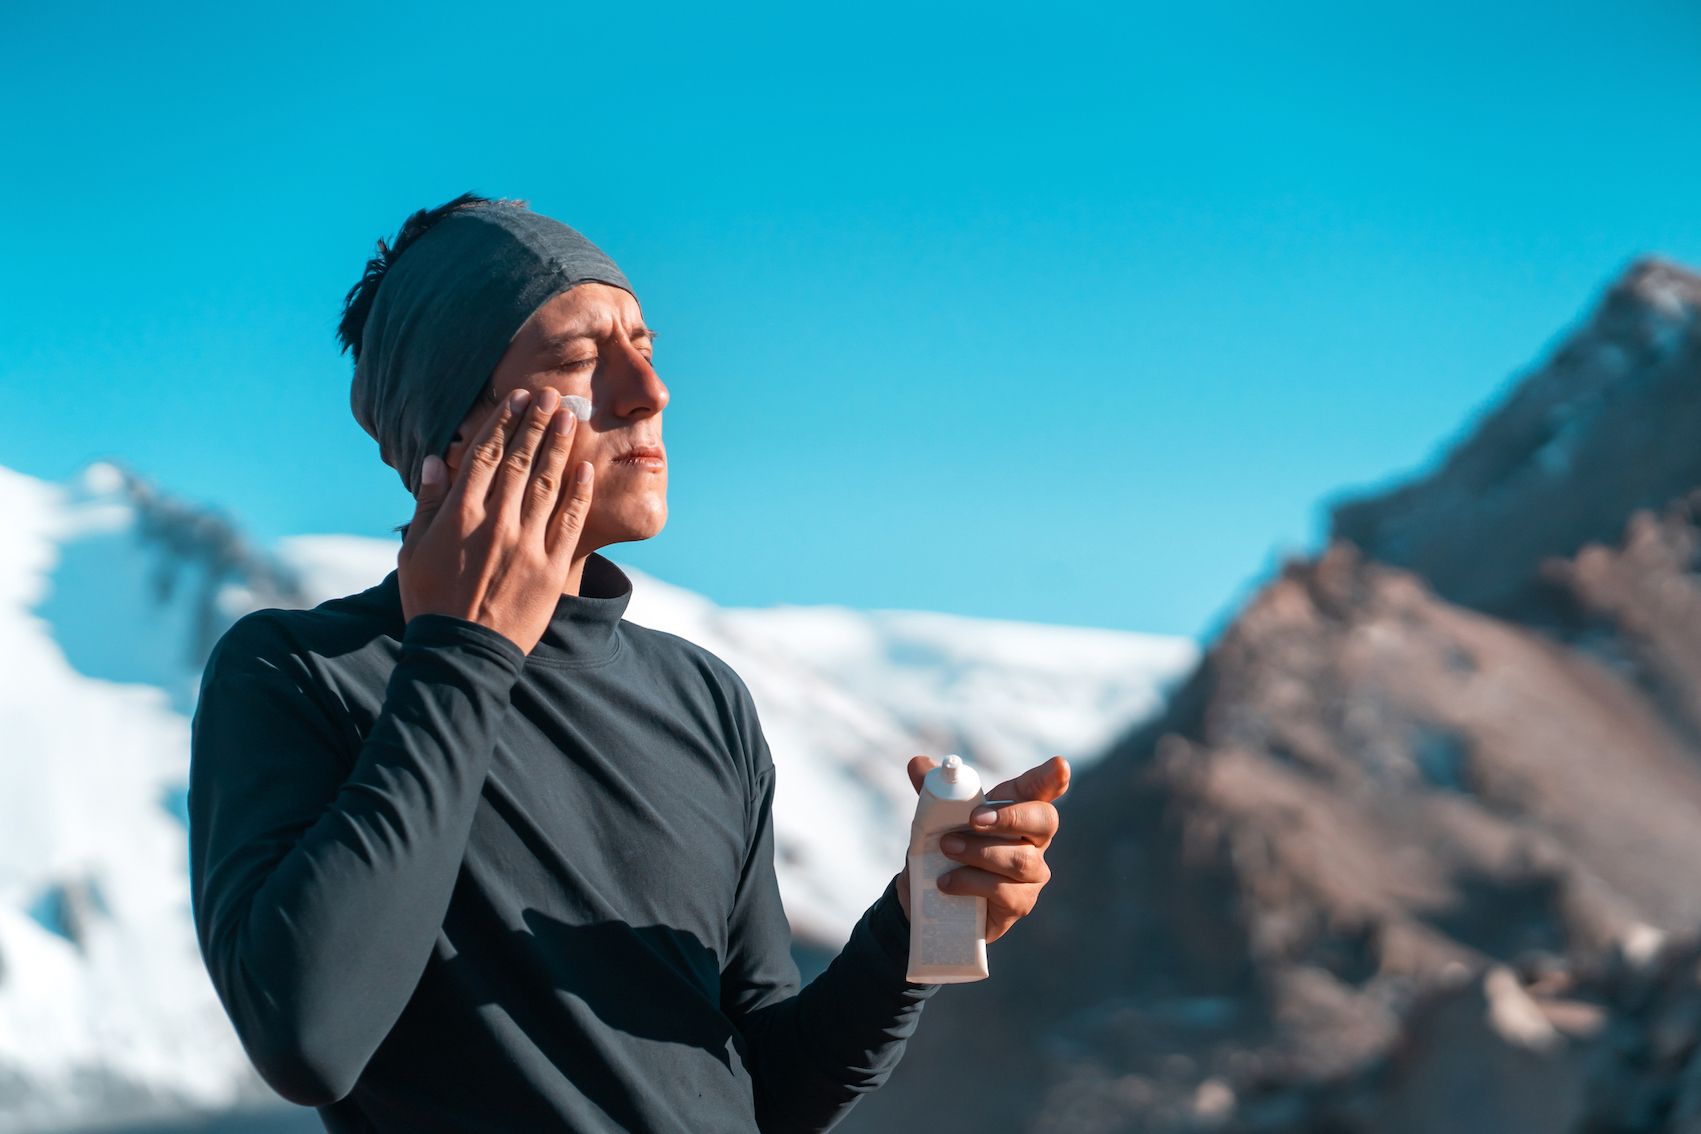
<point x="1417" y="801"/>
<point x="1599" y="429"/>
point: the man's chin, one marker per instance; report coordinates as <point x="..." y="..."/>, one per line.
<point x="631" y="529"/>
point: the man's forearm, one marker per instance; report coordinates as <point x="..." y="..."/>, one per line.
<point x="316" y="937"/>
<point x="816" y="1053"/>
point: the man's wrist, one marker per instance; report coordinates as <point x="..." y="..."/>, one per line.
<point x="890" y="926"/>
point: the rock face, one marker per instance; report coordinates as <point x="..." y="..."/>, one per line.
<point x="1590" y="436"/>
<point x="1404" y="851"/>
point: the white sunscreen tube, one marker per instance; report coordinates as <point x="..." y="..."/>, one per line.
<point x="947" y="931"/>
<point x="577" y="406"/>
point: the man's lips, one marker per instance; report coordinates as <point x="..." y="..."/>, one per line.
<point x="642" y="455"/>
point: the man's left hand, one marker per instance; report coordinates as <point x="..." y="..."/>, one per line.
<point x="1003" y="857"/>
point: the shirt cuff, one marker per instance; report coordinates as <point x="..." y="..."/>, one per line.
<point x="435" y="630"/>
<point x="891" y="932"/>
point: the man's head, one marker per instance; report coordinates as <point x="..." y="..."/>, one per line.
<point x="423" y="347"/>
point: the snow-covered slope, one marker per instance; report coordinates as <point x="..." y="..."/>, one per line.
<point x="103" y="1006"/>
<point x="110" y="595"/>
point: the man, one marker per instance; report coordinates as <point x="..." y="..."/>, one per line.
<point x="468" y="850"/>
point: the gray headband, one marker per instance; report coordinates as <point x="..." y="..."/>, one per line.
<point x="445" y="312"/>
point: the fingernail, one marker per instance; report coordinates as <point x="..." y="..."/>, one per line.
<point x="518" y="399"/>
<point x="984" y="816"/>
<point x="431" y="472"/>
<point x="562" y="422"/>
<point x="952" y="844"/>
<point x="583" y="473"/>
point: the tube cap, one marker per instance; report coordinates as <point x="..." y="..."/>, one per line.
<point x="953" y="779"/>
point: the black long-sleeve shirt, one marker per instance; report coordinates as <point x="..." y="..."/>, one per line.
<point x="444" y="885"/>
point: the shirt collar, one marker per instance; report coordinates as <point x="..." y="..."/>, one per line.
<point x="583" y="629"/>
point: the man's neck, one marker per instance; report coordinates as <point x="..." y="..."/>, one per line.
<point x="575" y="575"/>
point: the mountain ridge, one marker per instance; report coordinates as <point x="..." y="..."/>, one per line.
<point x="1418" y="796"/>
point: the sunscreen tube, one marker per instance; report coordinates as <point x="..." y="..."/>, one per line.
<point x="947" y="931"/>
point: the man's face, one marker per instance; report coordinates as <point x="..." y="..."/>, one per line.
<point x="591" y="341"/>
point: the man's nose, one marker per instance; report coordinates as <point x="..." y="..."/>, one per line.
<point x="637" y="389"/>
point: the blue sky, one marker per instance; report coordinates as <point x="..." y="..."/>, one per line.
<point x="1067" y="313"/>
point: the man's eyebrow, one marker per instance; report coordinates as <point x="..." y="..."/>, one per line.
<point x="559" y="341"/>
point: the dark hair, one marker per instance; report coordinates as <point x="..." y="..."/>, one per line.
<point x="357" y="304"/>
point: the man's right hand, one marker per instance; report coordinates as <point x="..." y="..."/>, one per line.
<point x="495" y="546"/>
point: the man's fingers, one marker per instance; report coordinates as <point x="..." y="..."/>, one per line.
<point x="516" y="472"/>
<point x="919" y="766"/>
<point x="433" y="488"/>
<point x="1032" y="820"/>
<point x="482" y="460"/>
<point x="1008" y="897"/>
<point x="548" y="472"/>
<point x="1018" y="861"/>
<point x="1045" y="781"/>
<point x="568" y="520"/>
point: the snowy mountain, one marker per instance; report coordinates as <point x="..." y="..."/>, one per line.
<point x="111" y="594"/>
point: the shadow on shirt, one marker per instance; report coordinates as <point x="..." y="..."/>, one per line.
<point x="654" y="982"/>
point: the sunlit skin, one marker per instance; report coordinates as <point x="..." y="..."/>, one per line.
<point x="591" y="340"/>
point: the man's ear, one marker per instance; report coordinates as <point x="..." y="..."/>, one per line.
<point x="468" y="429"/>
<point x="456" y="451"/>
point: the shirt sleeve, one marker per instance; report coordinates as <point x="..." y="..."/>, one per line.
<point x="812" y="1052"/>
<point x="321" y="867"/>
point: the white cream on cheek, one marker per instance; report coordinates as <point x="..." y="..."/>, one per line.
<point x="577" y="406"/>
